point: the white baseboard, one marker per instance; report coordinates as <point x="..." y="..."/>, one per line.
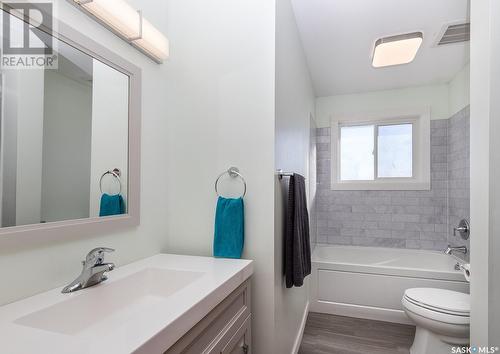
<point x="359" y="311"/>
<point x="298" y="340"/>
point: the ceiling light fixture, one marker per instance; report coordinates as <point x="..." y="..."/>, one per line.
<point x="396" y="50"/>
<point x="129" y="24"/>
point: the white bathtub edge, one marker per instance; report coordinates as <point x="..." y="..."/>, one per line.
<point x="298" y="340"/>
<point x="359" y="311"/>
<point x="373" y="290"/>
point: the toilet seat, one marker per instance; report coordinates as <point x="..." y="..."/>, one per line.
<point x="438" y="304"/>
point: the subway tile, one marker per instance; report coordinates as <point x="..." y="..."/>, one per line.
<point x="407" y="235"/>
<point x="352" y="232"/>
<point x="347" y="216"/>
<point x="360" y="225"/>
<point x="404" y="201"/>
<point x="378" y="242"/>
<point x="333" y="223"/>
<point x="339" y="240"/>
<point x="340" y="208"/>
<point x="435" y="236"/>
<point x="363" y="209"/>
<point x="439" y="123"/>
<point x="381" y="200"/>
<point x="322" y="131"/>
<point x="323" y="139"/>
<point x="322" y="238"/>
<point x="417" y="226"/>
<point x="378" y="217"/>
<point x="422" y="210"/>
<point x="441" y="228"/>
<point x="412" y="244"/>
<point x="406" y="219"/>
<point x="322" y="147"/>
<point x="391" y="225"/>
<point x="439" y="166"/>
<point x="377" y="233"/>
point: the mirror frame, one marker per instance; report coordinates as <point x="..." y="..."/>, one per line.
<point x="93" y="225"/>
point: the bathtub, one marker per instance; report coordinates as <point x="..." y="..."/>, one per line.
<point x="369" y="282"/>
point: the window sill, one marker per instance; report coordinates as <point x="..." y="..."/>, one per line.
<point x="381" y="186"/>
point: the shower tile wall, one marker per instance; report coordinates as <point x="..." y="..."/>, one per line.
<point x="402" y="219"/>
<point x="458" y="173"/>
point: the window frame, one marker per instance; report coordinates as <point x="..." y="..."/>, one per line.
<point x="420" y="120"/>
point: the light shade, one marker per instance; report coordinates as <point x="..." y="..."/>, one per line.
<point x="117" y="14"/>
<point x="153" y="41"/>
<point x="129" y="24"/>
<point x="396" y="50"/>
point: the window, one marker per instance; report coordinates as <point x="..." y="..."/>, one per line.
<point x="381" y="153"/>
<point x="356" y="153"/>
<point x="395" y="151"/>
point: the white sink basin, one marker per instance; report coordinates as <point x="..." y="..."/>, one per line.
<point x="143" y="307"/>
<point x="99" y="303"/>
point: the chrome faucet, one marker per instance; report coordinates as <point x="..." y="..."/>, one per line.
<point x="93" y="270"/>
<point x="461" y="249"/>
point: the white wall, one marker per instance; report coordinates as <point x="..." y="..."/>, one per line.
<point x="109" y="132"/>
<point x="48" y="263"/>
<point x="494" y="246"/>
<point x="435" y="96"/>
<point x="294" y="107"/>
<point x="67" y="125"/>
<point x="459" y="90"/>
<point x="219" y="111"/>
<point x="485" y="173"/>
<point x="444" y="100"/>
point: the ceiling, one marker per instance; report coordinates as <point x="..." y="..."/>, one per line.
<point x="338" y="38"/>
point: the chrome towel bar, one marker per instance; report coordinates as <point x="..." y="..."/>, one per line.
<point x="232" y="172"/>
<point x="116" y="173"/>
<point x="282" y="174"/>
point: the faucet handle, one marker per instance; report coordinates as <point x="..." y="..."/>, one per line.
<point x="463" y="229"/>
<point x="96" y="256"/>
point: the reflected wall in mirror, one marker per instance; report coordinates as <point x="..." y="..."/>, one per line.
<point x="61" y="130"/>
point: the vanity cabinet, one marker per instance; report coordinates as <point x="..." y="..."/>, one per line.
<point x="225" y="330"/>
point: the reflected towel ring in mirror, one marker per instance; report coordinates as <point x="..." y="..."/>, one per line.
<point x="232" y="172"/>
<point x="115" y="173"/>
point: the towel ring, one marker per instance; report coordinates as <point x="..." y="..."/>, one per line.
<point x="232" y="172"/>
<point x="115" y="173"/>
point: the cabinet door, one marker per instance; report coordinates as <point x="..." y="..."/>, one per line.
<point x="241" y="342"/>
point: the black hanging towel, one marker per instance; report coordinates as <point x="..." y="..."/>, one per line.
<point x="297" y="256"/>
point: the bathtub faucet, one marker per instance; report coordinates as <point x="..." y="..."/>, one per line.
<point x="461" y="249"/>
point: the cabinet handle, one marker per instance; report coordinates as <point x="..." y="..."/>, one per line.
<point x="245" y="348"/>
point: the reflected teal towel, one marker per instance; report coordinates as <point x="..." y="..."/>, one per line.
<point x="229" y="228"/>
<point x="112" y="205"/>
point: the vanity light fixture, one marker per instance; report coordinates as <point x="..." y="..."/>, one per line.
<point x="129" y="24"/>
<point x="396" y="50"/>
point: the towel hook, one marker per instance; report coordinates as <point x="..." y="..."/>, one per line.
<point x="232" y="172"/>
<point x="115" y="173"/>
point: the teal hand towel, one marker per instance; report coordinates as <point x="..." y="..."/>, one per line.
<point x="112" y="205"/>
<point x="229" y="228"/>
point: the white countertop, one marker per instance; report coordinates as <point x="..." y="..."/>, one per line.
<point x="150" y="325"/>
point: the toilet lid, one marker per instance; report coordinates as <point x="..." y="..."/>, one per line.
<point x="442" y="300"/>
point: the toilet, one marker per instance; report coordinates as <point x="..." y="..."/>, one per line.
<point x="442" y="318"/>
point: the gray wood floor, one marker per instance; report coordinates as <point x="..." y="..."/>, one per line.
<point x="329" y="334"/>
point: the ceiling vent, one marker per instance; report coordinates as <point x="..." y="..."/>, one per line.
<point x="456" y="33"/>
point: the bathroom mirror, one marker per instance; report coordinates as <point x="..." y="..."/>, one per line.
<point x="69" y="142"/>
